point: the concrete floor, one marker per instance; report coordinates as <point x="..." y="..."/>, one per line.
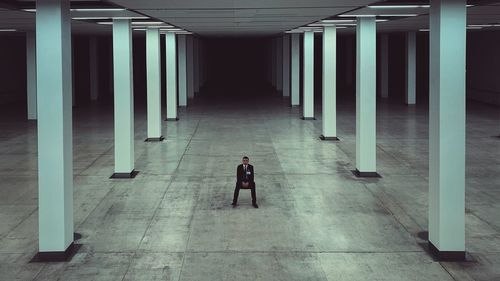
<point x="316" y="221"/>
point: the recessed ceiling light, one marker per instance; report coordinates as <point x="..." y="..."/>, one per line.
<point x="337" y="21"/>
<point x="397" y="6"/>
<point x="147" y="22"/>
<point x="403" y="6"/>
<point x="480" y="25"/>
<point x="399" y="15"/>
<point x="90" y="18"/>
<point x="119" y="18"/>
<point x="153" y="26"/>
<point x="170" y="29"/>
<point x="130" y="18"/>
<point x="97" y="9"/>
<point x="8" y="30"/>
<point x="321" y="24"/>
<point x="424" y="29"/>
<point x="357" y="16"/>
<point x="87" y="10"/>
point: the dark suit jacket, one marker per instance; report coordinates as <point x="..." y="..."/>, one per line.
<point x="240" y="175"/>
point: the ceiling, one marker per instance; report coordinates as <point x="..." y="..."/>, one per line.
<point x="243" y="17"/>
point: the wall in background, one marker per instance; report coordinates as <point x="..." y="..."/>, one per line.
<point x="483" y="66"/>
<point x="12" y="68"/>
<point x="243" y="61"/>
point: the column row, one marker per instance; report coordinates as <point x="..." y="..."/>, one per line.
<point x="50" y="100"/>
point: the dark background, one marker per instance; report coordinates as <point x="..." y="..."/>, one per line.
<point x="239" y="66"/>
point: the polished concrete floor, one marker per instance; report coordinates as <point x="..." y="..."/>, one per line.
<point x="316" y="221"/>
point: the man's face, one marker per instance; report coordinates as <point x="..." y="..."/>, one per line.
<point x="245" y="161"/>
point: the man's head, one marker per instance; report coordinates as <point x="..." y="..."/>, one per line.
<point x="245" y="160"/>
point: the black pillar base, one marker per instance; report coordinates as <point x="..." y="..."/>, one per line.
<point x="359" y="174"/>
<point x="328" y="138"/>
<point x="65" y="256"/>
<point x="161" y="138"/>
<point x="308" y="118"/>
<point x="172" y="119"/>
<point x="446" y="255"/>
<point x="130" y="175"/>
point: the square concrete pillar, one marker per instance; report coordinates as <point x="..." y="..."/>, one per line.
<point x="308" y="80"/>
<point x="182" y="70"/>
<point x="124" y="99"/>
<point x="153" y="77"/>
<point x="295" y="70"/>
<point x="171" y="54"/>
<point x="55" y="132"/>
<point x="366" y="83"/>
<point x="286" y="65"/>
<point x="329" y="114"/>
<point x="447" y="129"/>
<point x="411" y="68"/>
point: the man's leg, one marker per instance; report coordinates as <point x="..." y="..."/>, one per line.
<point x="254" y="196"/>
<point x="236" y="194"/>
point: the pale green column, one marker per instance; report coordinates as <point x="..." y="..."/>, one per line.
<point x="295" y="70"/>
<point x="171" y="54"/>
<point x="447" y="129"/>
<point x="411" y="68"/>
<point x="182" y="70"/>
<point x="329" y="114"/>
<point x="55" y="133"/>
<point x="153" y="76"/>
<point x="31" y="74"/>
<point x="308" y="80"/>
<point x="286" y="65"/>
<point x="366" y="72"/>
<point x="124" y="99"/>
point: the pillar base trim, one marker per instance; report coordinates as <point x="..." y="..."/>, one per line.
<point x="323" y="138"/>
<point x="65" y="256"/>
<point x="161" y="138"/>
<point x="446" y="255"/>
<point x="130" y="175"/>
<point x="295" y="105"/>
<point x="359" y="174"/>
<point x="308" y="118"/>
<point x="172" y="119"/>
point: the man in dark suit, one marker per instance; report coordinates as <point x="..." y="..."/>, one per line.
<point x="244" y="179"/>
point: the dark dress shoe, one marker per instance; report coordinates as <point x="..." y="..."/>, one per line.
<point x="234" y="205"/>
<point x="255" y="206"/>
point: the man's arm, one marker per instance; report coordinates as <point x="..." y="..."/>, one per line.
<point x="251" y="176"/>
<point x="239" y="176"/>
